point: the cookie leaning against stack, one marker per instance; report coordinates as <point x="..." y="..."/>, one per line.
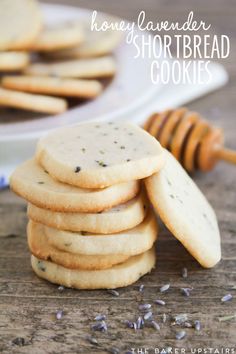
<point x="185" y="211"/>
<point x="90" y="224"/>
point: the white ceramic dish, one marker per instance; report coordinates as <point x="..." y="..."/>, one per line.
<point x="120" y="96"/>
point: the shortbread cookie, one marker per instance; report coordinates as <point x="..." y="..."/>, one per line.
<point x="119" y="218"/>
<point x="96" y="155"/>
<point x="128" y="243"/>
<point x="20" y="23"/>
<point x="65" y="35"/>
<point x="37" y="103"/>
<point x="53" y="85"/>
<point x="185" y="211"/>
<point x="13" y="61"/>
<point x="95" y="44"/>
<point x="78" y="68"/>
<point x="119" y="275"/>
<point x="39" y="247"/>
<point x="34" y="184"/>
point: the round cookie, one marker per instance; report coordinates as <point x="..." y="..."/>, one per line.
<point x="119" y="275"/>
<point x="185" y="211"/>
<point x="77" y="68"/>
<point x="95" y="44"/>
<point x="35" y="185"/>
<point x="53" y="85"/>
<point x="39" y="247"/>
<point x="65" y="35"/>
<point x="106" y="154"/>
<point x="20" y="23"/>
<point x="119" y="218"/>
<point x="12" y="61"/>
<point x="129" y="243"/>
<point x="36" y="103"/>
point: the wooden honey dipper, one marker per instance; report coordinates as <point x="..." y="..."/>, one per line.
<point x="190" y="138"/>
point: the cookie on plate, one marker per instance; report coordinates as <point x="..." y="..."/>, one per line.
<point x="36" y="103"/>
<point x="119" y="218"/>
<point x="120" y="275"/>
<point x="39" y="247"/>
<point x="34" y="184"/>
<point x="106" y="154"/>
<point x="13" y="61"/>
<point x="64" y="35"/>
<point x="20" y="23"/>
<point x="77" y="68"/>
<point x="53" y="85"/>
<point x="95" y="44"/>
<point x="185" y="211"/>
<point x="130" y="242"/>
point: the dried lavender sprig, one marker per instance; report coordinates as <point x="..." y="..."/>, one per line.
<point x="147" y="316"/>
<point x="59" y="314"/>
<point x="144" y="307"/>
<point x="61" y="288"/>
<point x="155" y="325"/>
<point x="101" y="326"/>
<point x="184" y="272"/>
<point x="160" y="302"/>
<point x="186" y="291"/>
<point x="100" y="317"/>
<point x="180" y="319"/>
<point x="129" y="324"/>
<point x="180" y="335"/>
<point x="140" y="323"/>
<point x="164" y="288"/>
<point x="164" y="318"/>
<point x="197" y="325"/>
<point x="141" y="288"/>
<point x="187" y="324"/>
<point x="113" y="292"/>
<point x="226" y="298"/>
<point x="92" y="340"/>
<point x="20" y="341"/>
<point x="226" y="318"/>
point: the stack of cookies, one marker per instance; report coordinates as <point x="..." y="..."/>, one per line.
<point x="91" y="225"/>
<point x="77" y="58"/>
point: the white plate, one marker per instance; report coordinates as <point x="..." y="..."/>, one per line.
<point x="130" y="88"/>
